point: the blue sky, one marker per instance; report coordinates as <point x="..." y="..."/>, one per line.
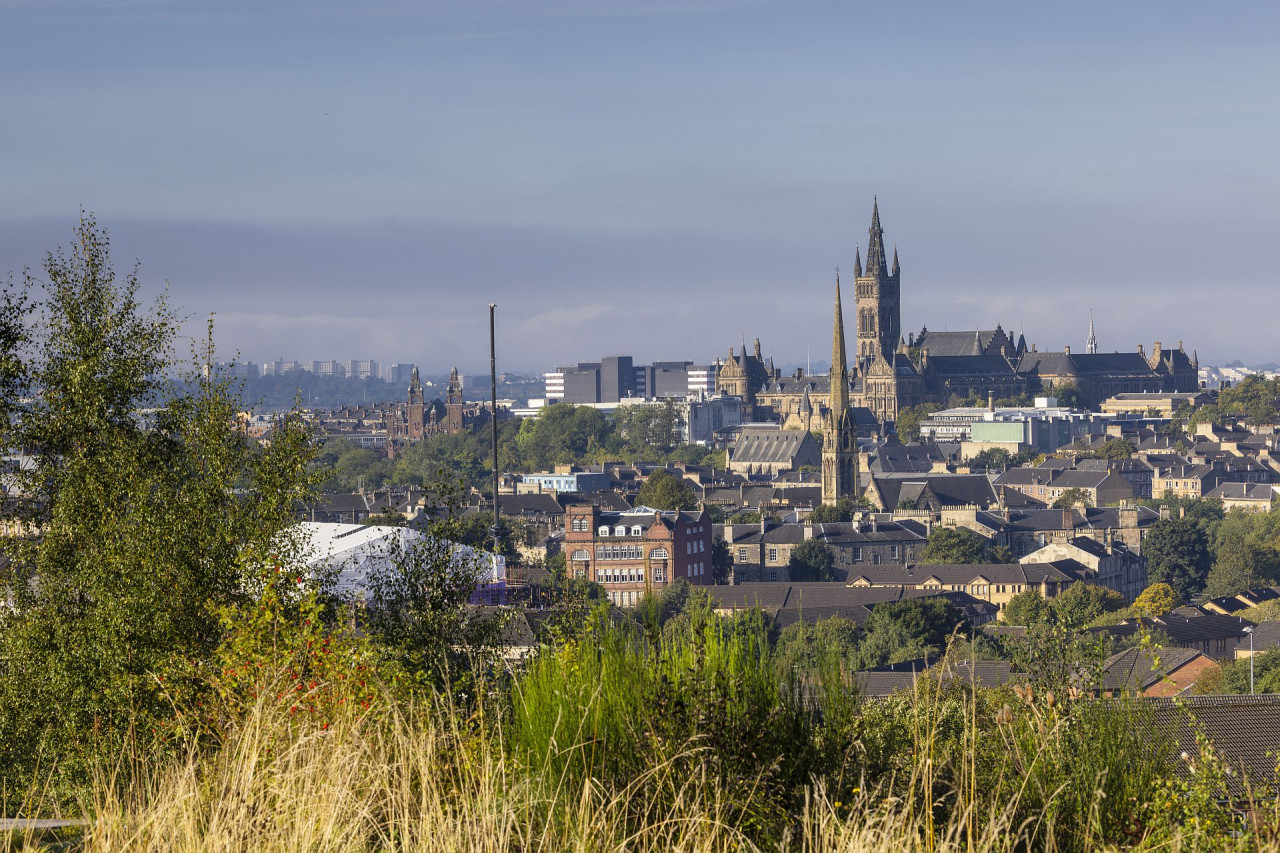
<point x="661" y="178"/>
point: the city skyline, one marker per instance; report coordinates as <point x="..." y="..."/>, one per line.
<point x="343" y="181"/>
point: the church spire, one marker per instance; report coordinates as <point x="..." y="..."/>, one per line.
<point x="895" y="262"/>
<point x="876" y="265"/>
<point x="839" y="366"/>
<point x="1091" y="345"/>
<point x="857" y="264"/>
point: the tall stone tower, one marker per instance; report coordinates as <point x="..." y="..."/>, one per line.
<point x="453" y="404"/>
<point x="415" y="410"/>
<point x="840" y="438"/>
<point x="879" y="298"/>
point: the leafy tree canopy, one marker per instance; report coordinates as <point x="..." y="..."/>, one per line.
<point x="954" y="545"/>
<point x="812" y="560"/>
<point x="667" y="491"/>
<point x="1156" y="600"/>
<point x="1177" y="552"/>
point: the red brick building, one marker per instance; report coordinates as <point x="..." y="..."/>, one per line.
<point x="637" y="552"/>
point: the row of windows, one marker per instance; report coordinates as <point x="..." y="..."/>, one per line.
<point x="695" y="547"/>
<point x="856" y="555"/>
<point x="631" y="575"/>
<point x="619" y="552"/>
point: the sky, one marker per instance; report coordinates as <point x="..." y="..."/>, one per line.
<point x="653" y="177"/>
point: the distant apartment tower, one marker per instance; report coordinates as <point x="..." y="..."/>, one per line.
<point x="364" y="369"/>
<point x="399" y="374"/>
<point x="238" y="369"/>
<point x="279" y="368"/>
<point x="328" y="368"/>
<point x="618" y="377"/>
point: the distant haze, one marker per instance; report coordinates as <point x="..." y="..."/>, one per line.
<point x="343" y="180"/>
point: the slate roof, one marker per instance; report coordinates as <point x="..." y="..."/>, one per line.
<point x="1243" y="730"/>
<point x="1189" y="629"/>
<point x="958" y="573"/>
<point x="1026" y="477"/>
<point x="949" y="489"/>
<point x="526" y="505"/>
<point x="1266" y="637"/>
<point x="769" y="446"/>
<point x="1079" y="479"/>
<point x="1243" y="491"/>
<point x="879" y="683"/>
<point x="894" y="457"/>
<point x="943" y="344"/>
<point x="1139" y="669"/>
<point x="1084" y="364"/>
<point x="969" y="365"/>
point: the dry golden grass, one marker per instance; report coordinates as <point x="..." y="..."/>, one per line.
<point x="422" y="780"/>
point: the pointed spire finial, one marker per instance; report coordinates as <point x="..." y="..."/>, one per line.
<point x="857" y="263"/>
<point x="895" y="261"/>
<point x="876" y="262"/>
<point x="1091" y="345"/>
<point x="839" y="366"/>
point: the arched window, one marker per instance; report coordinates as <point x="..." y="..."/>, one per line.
<point x="581" y="556"/>
<point x="659" y="554"/>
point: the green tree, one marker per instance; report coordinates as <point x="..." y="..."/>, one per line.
<point x="1246" y="553"/>
<point x="991" y="459"/>
<point x="1156" y="600"/>
<point x="721" y="561"/>
<point x="908" y="423"/>
<point x="903" y="630"/>
<point x="1026" y="608"/>
<point x="145" y="533"/>
<point x="954" y="545"/>
<point x="1072" y="498"/>
<point x="1177" y="552"/>
<point x="1068" y="394"/>
<point x="1081" y="603"/>
<point x="842" y="510"/>
<point x="812" y="560"/>
<point x="667" y="491"/>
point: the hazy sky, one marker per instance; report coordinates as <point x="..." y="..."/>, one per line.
<point x="660" y="178"/>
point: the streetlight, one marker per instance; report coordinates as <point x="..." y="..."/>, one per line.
<point x="1249" y="631"/>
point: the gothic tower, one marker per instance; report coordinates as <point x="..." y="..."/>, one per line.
<point x="840" y="438"/>
<point x="453" y="405"/>
<point x="879" y="298"/>
<point x="415" y="410"/>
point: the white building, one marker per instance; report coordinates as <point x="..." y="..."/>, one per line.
<point x="354" y="551"/>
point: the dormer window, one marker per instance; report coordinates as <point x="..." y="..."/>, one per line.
<point x="604" y="530"/>
<point x="620" y="530"/>
<point x="637" y="530"/>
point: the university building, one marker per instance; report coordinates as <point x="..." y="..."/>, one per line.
<point x="888" y="372"/>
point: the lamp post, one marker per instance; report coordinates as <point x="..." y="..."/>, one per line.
<point x="1249" y="631"/>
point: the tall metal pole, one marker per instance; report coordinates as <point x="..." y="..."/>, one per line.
<point x="493" y="420"/>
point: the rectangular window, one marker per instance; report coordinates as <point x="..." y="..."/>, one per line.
<point x="893" y="552"/>
<point x="742" y="555"/>
<point x="857" y="555"/>
<point x="773" y="555"/>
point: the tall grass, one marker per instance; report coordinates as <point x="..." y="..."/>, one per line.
<point x="616" y="741"/>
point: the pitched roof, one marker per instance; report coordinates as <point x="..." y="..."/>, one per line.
<point x="1243" y="491"/>
<point x="1243" y="731"/>
<point x="1138" y="669"/>
<point x="770" y="446"/>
